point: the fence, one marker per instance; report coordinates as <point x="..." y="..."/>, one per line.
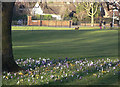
<point x="55" y="24"/>
<point x="51" y="23"/>
<point x="95" y="24"/>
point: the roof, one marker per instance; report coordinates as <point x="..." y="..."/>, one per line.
<point x="56" y="8"/>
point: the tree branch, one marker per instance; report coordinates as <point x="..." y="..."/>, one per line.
<point x="95" y="9"/>
<point x="89" y="14"/>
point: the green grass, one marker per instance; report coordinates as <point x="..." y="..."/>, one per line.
<point x="48" y="28"/>
<point x="54" y="28"/>
<point x="65" y="43"/>
<point x="92" y="44"/>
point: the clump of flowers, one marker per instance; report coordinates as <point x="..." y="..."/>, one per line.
<point x="44" y="70"/>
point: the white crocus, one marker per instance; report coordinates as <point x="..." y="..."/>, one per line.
<point x="18" y="82"/>
<point x="44" y="60"/>
<point x="41" y="77"/>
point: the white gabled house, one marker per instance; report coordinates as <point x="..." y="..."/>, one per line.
<point x="38" y="10"/>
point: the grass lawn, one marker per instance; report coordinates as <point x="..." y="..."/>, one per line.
<point x="48" y="28"/>
<point x="65" y="43"/>
<point x="94" y="50"/>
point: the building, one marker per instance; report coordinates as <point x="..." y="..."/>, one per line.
<point x="38" y="10"/>
<point x="112" y="10"/>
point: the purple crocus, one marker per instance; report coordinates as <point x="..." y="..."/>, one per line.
<point x="67" y="65"/>
<point x="43" y="62"/>
<point x="11" y="77"/>
<point x="66" y="58"/>
<point x="51" y="70"/>
<point x="80" y="77"/>
<point x="80" y="67"/>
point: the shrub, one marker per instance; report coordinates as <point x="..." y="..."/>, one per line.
<point x="19" y="17"/>
<point x="42" y="17"/>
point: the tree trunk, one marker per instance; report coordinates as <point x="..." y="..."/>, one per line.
<point x="92" y="17"/>
<point x="8" y="62"/>
<point x="92" y="20"/>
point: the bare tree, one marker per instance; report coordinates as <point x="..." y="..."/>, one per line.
<point x="80" y="12"/>
<point x="91" y="9"/>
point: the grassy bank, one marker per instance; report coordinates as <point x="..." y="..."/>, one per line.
<point x="64" y="57"/>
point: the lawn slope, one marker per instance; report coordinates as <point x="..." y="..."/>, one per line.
<point x="65" y="43"/>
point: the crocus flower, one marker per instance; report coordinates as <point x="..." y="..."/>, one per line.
<point x="113" y="67"/>
<point x="6" y="77"/>
<point x="103" y="71"/>
<point x="20" y="73"/>
<point x="11" y="77"/>
<point x="41" y="77"/>
<point x="80" y="77"/>
<point x="94" y="74"/>
<point x="18" y="82"/>
<point x="28" y="80"/>
<point x="67" y="65"/>
<point x="21" y="80"/>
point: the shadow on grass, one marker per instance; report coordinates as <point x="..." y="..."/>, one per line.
<point x="108" y="80"/>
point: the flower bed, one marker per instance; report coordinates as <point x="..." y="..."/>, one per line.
<point x="45" y="71"/>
